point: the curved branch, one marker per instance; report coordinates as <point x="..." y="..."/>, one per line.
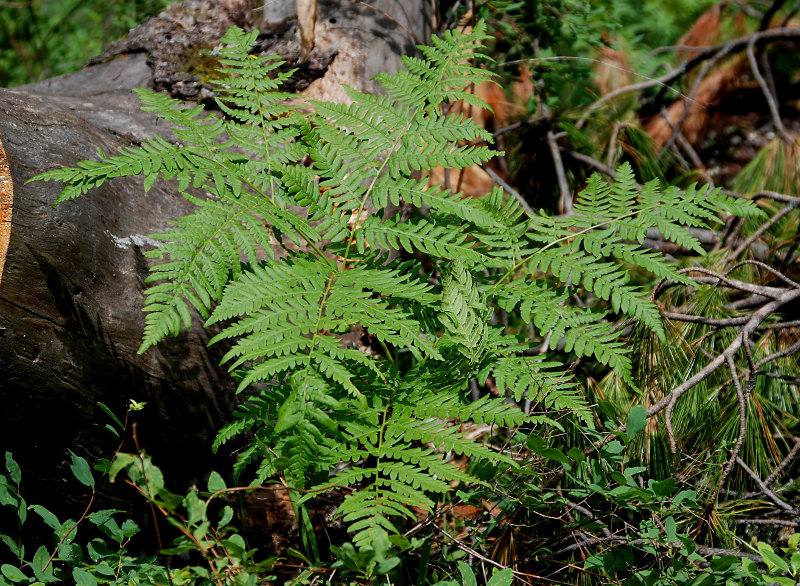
<point x="716" y="52"/>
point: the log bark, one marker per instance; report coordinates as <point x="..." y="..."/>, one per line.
<point x="72" y="288"/>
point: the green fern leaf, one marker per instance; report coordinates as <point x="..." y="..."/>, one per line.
<point x="463" y="312"/>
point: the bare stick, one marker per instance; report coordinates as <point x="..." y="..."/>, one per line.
<point x="612" y="144"/>
<point x="715" y="52"/>
<point x="471" y="551"/>
<point x="761" y="229"/>
<point x="788" y="351"/>
<point x="499" y="180"/>
<point x="767" y="268"/>
<point x="723" y="52"/>
<point x="673" y="445"/>
<point x="773" y="107"/>
<point x="786" y="461"/>
<point x="789" y="15"/>
<point x="754" y="321"/>
<point x="764" y="488"/>
<point x="606" y="169"/>
<point x="770" y="12"/>
<point x="742" y="429"/>
<point x="529" y="122"/>
<point x="565" y="203"/>
<point x="765" y="193"/>
<point x="707" y="321"/>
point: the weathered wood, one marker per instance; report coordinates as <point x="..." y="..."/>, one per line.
<point x="70" y="309"/>
<point x="6" y="203"/>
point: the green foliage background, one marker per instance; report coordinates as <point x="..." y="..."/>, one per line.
<point x="45" y="38"/>
<point x="480" y="295"/>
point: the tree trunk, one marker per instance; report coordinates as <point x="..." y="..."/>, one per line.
<point x="72" y="288"/>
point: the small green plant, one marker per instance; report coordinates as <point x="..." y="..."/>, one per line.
<point x="79" y="555"/>
<point x="297" y="239"/>
<point x="45" y="38"/>
<point x="783" y="570"/>
<point x="499" y="578"/>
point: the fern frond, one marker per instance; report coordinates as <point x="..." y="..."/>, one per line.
<point x="204" y="250"/>
<point x="582" y="329"/>
<point x="389" y="282"/>
<point x="451" y="403"/>
<point x="155" y="157"/>
<point x="463" y="312"/>
<point x="417" y="234"/>
<point x="228" y="432"/>
<point x="271" y="283"/>
<point x="376" y="122"/>
<point x="537" y="378"/>
<point x="444" y="73"/>
<point x="354" y="305"/>
<point x="448" y="437"/>
<point x="247" y="92"/>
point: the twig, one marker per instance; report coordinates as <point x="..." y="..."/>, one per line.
<point x="788" y="351"/>
<point x="717" y="279"/>
<point x="716" y="52"/>
<point x="712" y="61"/>
<point x="718" y="551"/>
<point x="612" y="144"/>
<point x="761" y="229"/>
<point x="499" y="180"/>
<point x="151" y="498"/>
<point x="784" y="463"/>
<point x="529" y="122"/>
<point x="767" y="268"/>
<point x="769" y="13"/>
<point x="606" y="169"/>
<point x="787" y="296"/>
<point x="565" y="202"/>
<point x="726" y="322"/>
<point x="789" y="380"/>
<point x="472" y="552"/>
<point x="764" y="488"/>
<point x="790" y="14"/>
<point x="767" y="522"/>
<point x="755" y="319"/>
<point x="667" y="48"/>
<point x="773" y="107"/>
<point x="765" y="193"/>
<point x="765" y="66"/>
<point x="91" y="500"/>
<point x="673" y="445"/>
<point x="695" y="159"/>
<point x="726" y="471"/>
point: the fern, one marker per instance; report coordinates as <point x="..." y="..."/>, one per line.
<point x="286" y="258"/>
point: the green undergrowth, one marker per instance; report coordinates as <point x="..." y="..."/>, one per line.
<point x="311" y="223"/>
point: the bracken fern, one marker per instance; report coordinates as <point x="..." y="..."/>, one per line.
<point x="307" y="225"/>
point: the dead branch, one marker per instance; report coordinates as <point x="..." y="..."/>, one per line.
<point x="714" y="53"/>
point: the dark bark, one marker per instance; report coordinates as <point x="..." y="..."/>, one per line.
<point x="70" y="308"/>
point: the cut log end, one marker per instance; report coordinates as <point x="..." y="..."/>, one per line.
<point x="6" y="203"/>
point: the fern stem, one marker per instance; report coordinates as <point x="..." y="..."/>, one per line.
<point x="386" y="351"/>
<point x="267" y="159"/>
<point x="350" y="240"/>
<point x="323" y="302"/>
